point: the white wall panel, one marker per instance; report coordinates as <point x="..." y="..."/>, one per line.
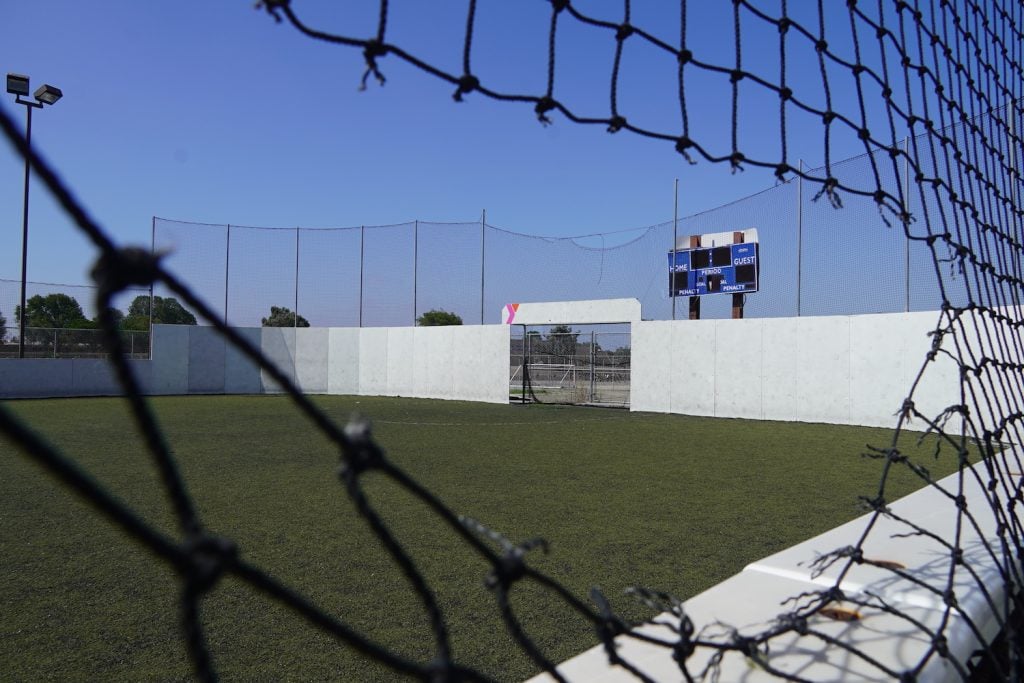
<point x="492" y="381"/>
<point x="823" y="370"/>
<point x="738" y="367"/>
<point x="480" y="363"/>
<point x="206" y="359"/>
<point x="692" y="373"/>
<point x="278" y="345"/>
<point x="878" y="372"/>
<point x="373" y="361"/>
<point x="440" y="379"/>
<point x="241" y="375"/>
<point x="343" y="360"/>
<point x="170" y="359"/>
<point x="779" y="362"/>
<point x="401" y="352"/>
<point x="311" y="354"/>
<point x="650" y="366"/>
<point x="96" y="377"/>
<point x="21" y="378"/>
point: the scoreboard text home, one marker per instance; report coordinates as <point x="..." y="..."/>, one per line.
<point x="724" y="269"/>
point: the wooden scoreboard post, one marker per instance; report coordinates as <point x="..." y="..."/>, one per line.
<point x="694" y="300"/>
<point x="737" y="299"/>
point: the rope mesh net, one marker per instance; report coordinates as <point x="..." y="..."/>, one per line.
<point x="945" y="76"/>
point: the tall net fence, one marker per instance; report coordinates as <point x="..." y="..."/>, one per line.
<point x="948" y="76"/>
<point x="814" y="260"/>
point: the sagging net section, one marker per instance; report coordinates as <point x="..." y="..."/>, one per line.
<point x="945" y="74"/>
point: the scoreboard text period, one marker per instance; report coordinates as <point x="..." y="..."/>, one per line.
<point x="728" y="269"/>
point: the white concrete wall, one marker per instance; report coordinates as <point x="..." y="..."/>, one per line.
<point x="841" y="370"/>
<point x="753" y="599"/>
<point x="592" y="311"/>
<point x="459" y="362"/>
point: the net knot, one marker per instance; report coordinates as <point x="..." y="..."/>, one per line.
<point x="440" y="670"/>
<point x="786" y="94"/>
<point x="616" y="124"/>
<point x="371" y="52"/>
<point x="272" y="6"/>
<point x="683" y="145"/>
<point x="781" y="170"/>
<point x="467" y="84"/>
<point x="362" y="453"/>
<point x="624" y="31"/>
<point x="685" y="56"/>
<point x="544" y="105"/>
<point x="507" y="569"/>
<point x="736" y="160"/>
<point x="119" y="269"/>
<point x="864" y="134"/>
<point x="559" y="5"/>
<point x="736" y="75"/>
<point x="207" y="558"/>
<point x="609" y="625"/>
<point x="784" y="24"/>
<point x="821" y="45"/>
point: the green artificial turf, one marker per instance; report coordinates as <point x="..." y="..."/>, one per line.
<point x="663" y="501"/>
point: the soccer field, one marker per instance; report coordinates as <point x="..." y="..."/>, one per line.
<point x="667" y="502"/>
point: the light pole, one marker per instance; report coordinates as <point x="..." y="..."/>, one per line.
<point x="17" y="85"/>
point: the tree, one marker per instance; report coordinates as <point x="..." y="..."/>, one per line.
<point x="284" y="317"/>
<point x="563" y="342"/>
<point x="3" y="327"/>
<point x="437" y="318"/>
<point x="166" y="311"/>
<point x="53" y="311"/>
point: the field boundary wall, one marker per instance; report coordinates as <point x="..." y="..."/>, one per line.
<point x="459" y="362"/>
<point x="853" y="370"/>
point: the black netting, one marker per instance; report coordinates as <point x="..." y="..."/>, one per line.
<point x="947" y="76"/>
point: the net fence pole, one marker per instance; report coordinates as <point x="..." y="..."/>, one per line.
<point x="227" y="272"/>
<point x="593" y="360"/>
<point x="799" y="233"/>
<point x="152" y="253"/>
<point x="675" y="238"/>
<point x="415" y="265"/>
<point x="906" y="237"/>
<point x="522" y="370"/>
<point x="362" y="252"/>
<point x="295" y="311"/>
<point x="483" y="259"/>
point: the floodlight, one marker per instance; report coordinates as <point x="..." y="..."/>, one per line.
<point x="47" y="94"/>
<point x="17" y="84"/>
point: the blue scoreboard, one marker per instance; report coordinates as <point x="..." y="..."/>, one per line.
<point x="729" y="269"/>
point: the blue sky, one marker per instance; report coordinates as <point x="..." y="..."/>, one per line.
<point x="212" y="112"/>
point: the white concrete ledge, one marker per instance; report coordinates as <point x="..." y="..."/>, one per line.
<point x="877" y="645"/>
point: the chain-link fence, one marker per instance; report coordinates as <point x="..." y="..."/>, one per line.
<point x="581" y="368"/>
<point x="59" y="318"/>
<point x="45" y="342"/>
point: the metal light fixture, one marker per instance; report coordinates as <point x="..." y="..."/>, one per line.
<point x="18" y="85"/>
<point x="48" y="94"/>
